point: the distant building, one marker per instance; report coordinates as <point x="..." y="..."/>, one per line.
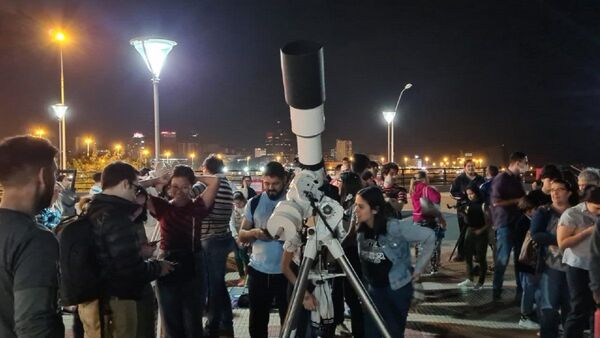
<point x="260" y="152"/>
<point x="168" y="142"/>
<point x="343" y="148"/>
<point x="279" y="142"/>
<point x="135" y="145"/>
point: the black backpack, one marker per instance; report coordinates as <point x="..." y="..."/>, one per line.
<point x="79" y="269"/>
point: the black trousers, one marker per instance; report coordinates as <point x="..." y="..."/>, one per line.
<point x="462" y="227"/>
<point x="582" y="303"/>
<point x="263" y="288"/>
<point x="476" y="245"/>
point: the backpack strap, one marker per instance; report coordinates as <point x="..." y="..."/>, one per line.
<point x="253" y="205"/>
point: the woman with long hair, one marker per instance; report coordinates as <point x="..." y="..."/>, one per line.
<point x="419" y="188"/>
<point x="554" y="295"/>
<point x="384" y="251"/>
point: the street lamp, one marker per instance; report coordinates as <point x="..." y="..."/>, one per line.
<point x="167" y="155"/>
<point x="40" y="132"/>
<point x="60" y="110"/>
<point x="60" y="38"/>
<point x="87" y="142"/>
<point x="154" y="51"/>
<point x="388" y="116"/>
<point x="405" y="160"/>
<point x="192" y="156"/>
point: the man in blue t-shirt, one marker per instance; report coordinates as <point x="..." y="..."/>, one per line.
<point x="265" y="278"/>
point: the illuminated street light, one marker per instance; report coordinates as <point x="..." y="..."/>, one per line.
<point x="60" y="37"/>
<point x="60" y="110"/>
<point x="40" y="132"/>
<point x="87" y="142"/>
<point x="388" y="116"/>
<point x="154" y="51"/>
<point x="382" y="159"/>
<point x="192" y="156"/>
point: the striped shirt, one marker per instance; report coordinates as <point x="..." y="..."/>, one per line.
<point x="217" y="222"/>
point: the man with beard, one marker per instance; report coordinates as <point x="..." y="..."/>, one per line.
<point x="28" y="252"/>
<point x="265" y="278"/>
<point x="458" y="190"/>
<point x="507" y="190"/>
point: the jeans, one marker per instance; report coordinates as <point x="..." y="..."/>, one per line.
<point x="504" y="245"/>
<point x="393" y="306"/>
<point x="530" y="283"/>
<point x="582" y="303"/>
<point x="440" y="233"/>
<point x="180" y="302"/>
<point x="215" y="251"/>
<point x="476" y="245"/>
<point x="262" y="289"/>
<point x="554" y="296"/>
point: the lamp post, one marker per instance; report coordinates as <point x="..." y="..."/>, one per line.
<point x="167" y="155"/>
<point x="60" y="110"/>
<point x="389" y="118"/>
<point x="87" y="142"/>
<point x="154" y="51"/>
<point x="192" y="156"/>
<point x="60" y="38"/>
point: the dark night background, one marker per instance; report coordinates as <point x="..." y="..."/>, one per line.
<point x="485" y="73"/>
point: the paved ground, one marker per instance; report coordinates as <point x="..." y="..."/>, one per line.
<point x="446" y="312"/>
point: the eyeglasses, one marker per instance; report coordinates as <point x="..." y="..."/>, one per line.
<point x="138" y="188"/>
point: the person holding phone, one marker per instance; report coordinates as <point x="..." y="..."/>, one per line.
<point x="266" y="280"/>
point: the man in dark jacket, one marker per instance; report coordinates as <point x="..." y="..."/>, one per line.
<point x="28" y="252"/>
<point x="458" y="190"/>
<point x="124" y="272"/>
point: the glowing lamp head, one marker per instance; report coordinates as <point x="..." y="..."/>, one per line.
<point x="389" y="116"/>
<point x="408" y="86"/>
<point x="154" y="51"/>
<point x="60" y="110"/>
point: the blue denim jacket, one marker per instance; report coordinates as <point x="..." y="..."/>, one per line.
<point x="396" y="247"/>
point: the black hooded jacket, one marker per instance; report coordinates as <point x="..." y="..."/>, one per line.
<point x="123" y="270"/>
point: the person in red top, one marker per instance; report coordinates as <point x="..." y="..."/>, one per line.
<point x="419" y="187"/>
<point x="179" y="294"/>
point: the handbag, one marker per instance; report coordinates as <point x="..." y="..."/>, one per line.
<point x="528" y="255"/>
<point x="428" y="208"/>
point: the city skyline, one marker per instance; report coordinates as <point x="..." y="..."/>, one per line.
<point x="490" y="75"/>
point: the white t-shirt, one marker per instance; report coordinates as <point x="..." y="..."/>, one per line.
<point x="578" y="256"/>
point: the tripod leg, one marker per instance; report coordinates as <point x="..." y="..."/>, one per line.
<point x="297" y="297"/>
<point x="364" y="296"/>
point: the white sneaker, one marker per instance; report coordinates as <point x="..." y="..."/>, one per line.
<point x="528" y="324"/>
<point x="478" y="287"/>
<point x="467" y="283"/>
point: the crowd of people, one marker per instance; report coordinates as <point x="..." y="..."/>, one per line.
<point x="549" y="230"/>
<point x="93" y="255"/>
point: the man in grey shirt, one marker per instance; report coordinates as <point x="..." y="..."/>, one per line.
<point x="28" y="252"/>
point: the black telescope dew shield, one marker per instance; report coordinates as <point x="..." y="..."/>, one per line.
<point x="302" y="66"/>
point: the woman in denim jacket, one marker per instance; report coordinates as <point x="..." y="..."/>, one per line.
<point x="384" y="250"/>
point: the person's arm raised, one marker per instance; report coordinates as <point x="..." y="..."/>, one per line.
<point x="210" y="193"/>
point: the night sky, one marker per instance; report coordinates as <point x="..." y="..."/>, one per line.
<point x="485" y="73"/>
